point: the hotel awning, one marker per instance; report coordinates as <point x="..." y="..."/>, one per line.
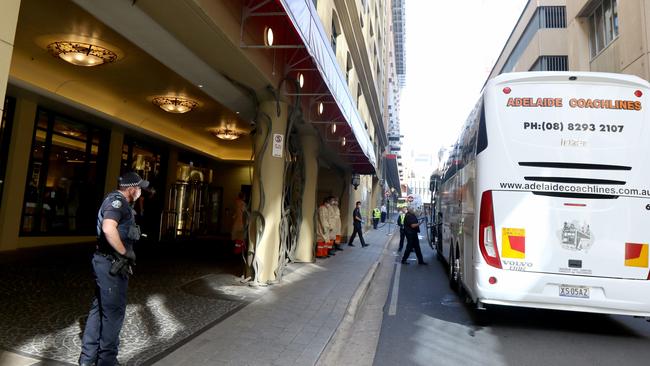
<point x="307" y="24"/>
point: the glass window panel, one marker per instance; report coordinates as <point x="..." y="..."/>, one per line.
<point x="592" y="36"/>
<point x="607" y="6"/>
<point x="5" y="137"/>
<point x="63" y="190"/>
<point x="599" y="25"/>
<point x="615" y="18"/>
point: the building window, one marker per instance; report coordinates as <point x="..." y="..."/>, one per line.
<point x="335" y="31"/>
<point x="65" y="178"/>
<point x="5" y="137"/>
<point x="359" y="94"/>
<point x="348" y="67"/>
<point x="603" y="26"/>
<point x="551" y="63"/>
<point x="146" y="161"/>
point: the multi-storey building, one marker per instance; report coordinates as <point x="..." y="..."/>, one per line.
<point x="539" y="40"/>
<point x="203" y="98"/>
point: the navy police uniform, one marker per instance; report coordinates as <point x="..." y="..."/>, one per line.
<point x="101" y="336"/>
<point x="356" y="225"/>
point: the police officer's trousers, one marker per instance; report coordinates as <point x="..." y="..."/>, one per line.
<point x="102" y="334"/>
<point x="402" y="235"/>
<point x="357" y="231"/>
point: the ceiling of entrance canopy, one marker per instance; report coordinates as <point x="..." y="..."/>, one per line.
<point x="123" y="89"/>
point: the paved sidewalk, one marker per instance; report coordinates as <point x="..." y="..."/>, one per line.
<point x="293" y="321"/>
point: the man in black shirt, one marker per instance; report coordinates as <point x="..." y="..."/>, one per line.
<point x="411" y="229"/>
<point x="116" y="235"/>
<point x="356" y="224"/>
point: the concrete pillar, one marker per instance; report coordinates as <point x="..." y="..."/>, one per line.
<point x="346" y="206"/>
<point x="8" y="21"/>
<point x="268" y="183"/>
<point x="306" y="239"/>
<point x="15" y="179"/>
<point x="170" y="180"/>
<point x="114" y="159"/>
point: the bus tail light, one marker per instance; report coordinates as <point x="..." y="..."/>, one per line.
<point x="487" y="237"/>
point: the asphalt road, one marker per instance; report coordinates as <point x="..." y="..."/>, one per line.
<point x="429" y="325"/>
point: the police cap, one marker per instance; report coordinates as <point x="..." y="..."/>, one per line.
<point x="132" y="179"/>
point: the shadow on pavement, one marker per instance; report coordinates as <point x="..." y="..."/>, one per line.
<point x="175" y="293"/>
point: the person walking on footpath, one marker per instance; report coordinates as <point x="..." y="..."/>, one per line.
<point x="376" y="215"/>
<point x="402" y="232"/>
<point x="412" y="228"/>
<point x="112" y="261"/>
<point x="356" y="224"/>
<point x="384" y="214"/>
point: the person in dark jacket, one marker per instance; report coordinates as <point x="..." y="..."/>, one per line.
<point x="411" y="229"/>
<point x="402" y="233"/>
<point x="356" y="224"/>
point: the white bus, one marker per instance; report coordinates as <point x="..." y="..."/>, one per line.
<point x="544" y="201"/>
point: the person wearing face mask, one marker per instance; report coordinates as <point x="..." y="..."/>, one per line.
<point x="116" y="235"/>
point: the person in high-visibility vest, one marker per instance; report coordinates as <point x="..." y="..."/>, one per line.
<point x="376" y="215"/>
<point x="400" y="223"/>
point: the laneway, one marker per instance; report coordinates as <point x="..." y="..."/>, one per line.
<point x="432" y="327"/>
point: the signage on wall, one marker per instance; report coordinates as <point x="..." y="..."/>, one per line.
<point x="278" y="145"/>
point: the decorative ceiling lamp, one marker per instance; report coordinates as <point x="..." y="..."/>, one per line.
<point x="333" y="128"/>
<point x="175" y="104"/>
<point x="301" y="80"/>
<point x="268" y="36"/>
<point x="227" y="133"/>
<point x="321" y="108"/>
<point x="343" y="141"/>
<point x="81" y="54"/>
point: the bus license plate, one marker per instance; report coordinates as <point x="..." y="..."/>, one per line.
<point x="574" y="291"/>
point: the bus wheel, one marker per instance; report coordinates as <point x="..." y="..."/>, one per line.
<point x="460" y="290"/>
<point x="451" y="265"/>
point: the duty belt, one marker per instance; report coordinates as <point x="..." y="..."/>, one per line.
<point x="108" y="256"/>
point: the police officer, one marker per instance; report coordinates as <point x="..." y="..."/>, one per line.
<point x="412" y="228"/>
<point x="116" y="234"/>
<point x="402" y="232"/>
<point x="356" y="224"/>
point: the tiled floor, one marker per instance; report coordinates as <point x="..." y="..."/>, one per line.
<point x="45" y="302"/>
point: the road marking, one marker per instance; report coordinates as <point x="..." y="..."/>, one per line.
<point x="392" y="310"/>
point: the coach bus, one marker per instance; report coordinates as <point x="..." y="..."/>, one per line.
<point x="545" y="197"/>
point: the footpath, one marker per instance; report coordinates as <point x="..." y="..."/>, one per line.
<point x="292" y="322"/>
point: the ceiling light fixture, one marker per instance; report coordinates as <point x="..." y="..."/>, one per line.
<point x="227" y="133"/>
<point x="301" y="79"/>
<point x="268" y="36"/>
<point x="175" y="104"/>
<point x="321" y="108"/>
<point x="81" y="54"/>
<point x="343" y="141"/>
<point x="333" y="128"/>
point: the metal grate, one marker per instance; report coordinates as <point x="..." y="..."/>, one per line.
<point x="551" y="63"/>
<point x="552" y="17"/>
